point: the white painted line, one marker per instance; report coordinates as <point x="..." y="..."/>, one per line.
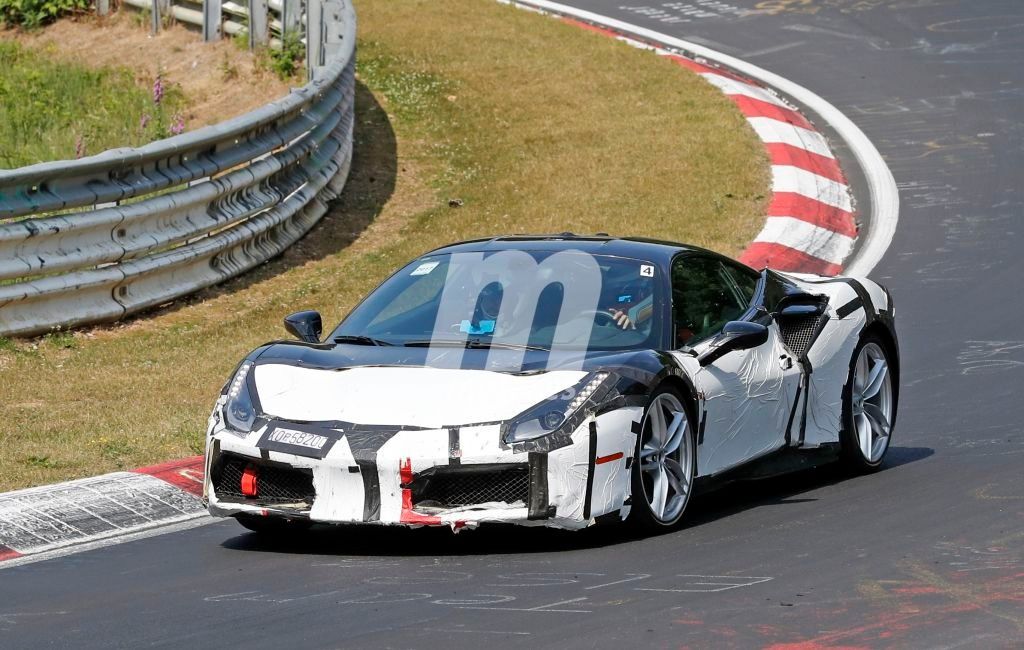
<point x="884" y="196"/>
<point x="775" y="131"/>
<point x="787" y="178"/>
<point x="636" y="576"/>
<point x="772" y="50"/>
<point x="734" y="87"/>
<point x="817" y="242"/>
<point x="539" y="608"/>
<point x="741" y="581"/>
<point x="446" y="630"/>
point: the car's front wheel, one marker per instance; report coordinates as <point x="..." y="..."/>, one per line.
<point x="273" y="525"/>
<point x="665" y="462"/>
<point x="869" y="406"/>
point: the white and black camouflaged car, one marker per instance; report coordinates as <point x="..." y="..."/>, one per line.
<point x="553" y="381"/>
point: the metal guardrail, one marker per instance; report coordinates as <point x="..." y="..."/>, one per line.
<point x="139" y="227"/>
<point x="264" y="21"/>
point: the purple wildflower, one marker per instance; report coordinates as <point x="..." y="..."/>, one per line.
<point x="178" y="124"/>
<point x="158" y="89"/>
<point x="79" y="146"/>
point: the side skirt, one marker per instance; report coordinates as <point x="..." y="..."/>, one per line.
<point x="784" y="461"/>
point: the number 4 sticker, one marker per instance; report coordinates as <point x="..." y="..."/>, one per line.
<point x="646" y="270"/>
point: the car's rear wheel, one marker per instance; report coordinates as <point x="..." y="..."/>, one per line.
<point x="273" y="525"/>
<point x="665" y="462"/>
<point x="869" y="406"/>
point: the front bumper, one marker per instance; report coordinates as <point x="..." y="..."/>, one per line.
<point x="459" y="477"/>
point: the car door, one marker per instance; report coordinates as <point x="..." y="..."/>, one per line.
<point x="745" y="397"/>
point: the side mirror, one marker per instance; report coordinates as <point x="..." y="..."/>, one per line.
<point x="736" y="335"/>
<point x="305" y="325"/>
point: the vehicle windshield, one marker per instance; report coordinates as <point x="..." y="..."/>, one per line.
<point x="547" y="300"/>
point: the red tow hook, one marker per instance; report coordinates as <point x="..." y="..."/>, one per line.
<point x="250" y="481"/>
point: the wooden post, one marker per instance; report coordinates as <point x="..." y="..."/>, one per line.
<point x="211" y="20"/>
<point x="259" y="27"/>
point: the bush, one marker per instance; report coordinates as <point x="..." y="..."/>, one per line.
<point x="285" y="62"/>
<point x="35" y="13"/>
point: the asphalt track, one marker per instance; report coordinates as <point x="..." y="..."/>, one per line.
<point x="929" y="552"/>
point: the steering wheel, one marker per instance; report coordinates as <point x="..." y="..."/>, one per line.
<point x="598" y="314"/>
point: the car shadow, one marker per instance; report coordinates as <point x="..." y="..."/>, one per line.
<point x="735" y="497"/>
<point x="396" y="541"/>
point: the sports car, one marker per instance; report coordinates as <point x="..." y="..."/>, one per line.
<point x="554" y="381"/>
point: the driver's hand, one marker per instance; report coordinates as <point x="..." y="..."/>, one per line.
<point x="622" y="319"/>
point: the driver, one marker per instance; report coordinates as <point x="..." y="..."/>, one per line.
<point x="488" y="305"/>
<point x="632" y="304"/>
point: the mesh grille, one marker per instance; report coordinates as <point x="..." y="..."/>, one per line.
<point x="465" y="488"/>
<point x="275" y="484"/>
<point x="798" y="331"/>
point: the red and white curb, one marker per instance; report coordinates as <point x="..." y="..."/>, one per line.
<point x="53" y="520"/>
<point x="809" y="228"/>
<point x="810" y="225"/>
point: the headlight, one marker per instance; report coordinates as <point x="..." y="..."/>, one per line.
<point x="239" y="412"/>
<point x="561" y="411"/>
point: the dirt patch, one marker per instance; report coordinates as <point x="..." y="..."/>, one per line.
<point x="219" y="80"/>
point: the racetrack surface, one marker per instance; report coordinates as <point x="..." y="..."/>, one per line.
<point x="929" y="552"/>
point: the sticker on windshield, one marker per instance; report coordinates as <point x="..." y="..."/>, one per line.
<point x="647" y="270"/>
<point x="425" y="268"/>
<point x="483" y="327"/>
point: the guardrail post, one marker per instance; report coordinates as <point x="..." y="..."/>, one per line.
<point x="291" y="16"/>
<point x="102" y="7"/>
<point x="211" y="20"/>
<point x="154" y="16"/>
<point x="314" y="36"/>
<point x="259" y="29"/>
<point x="333" y="39"/>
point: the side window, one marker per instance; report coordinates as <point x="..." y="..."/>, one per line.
<point x="744" y="282"/>
<point x="705" y="296"/>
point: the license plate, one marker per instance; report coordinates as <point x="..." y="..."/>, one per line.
<point x="298" y="438"/>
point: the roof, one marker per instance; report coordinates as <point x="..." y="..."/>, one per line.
<point x="600" y="244"/>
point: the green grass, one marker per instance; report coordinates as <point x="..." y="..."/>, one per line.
<point x="53" y="110"/>
<point x="537" y="126"/>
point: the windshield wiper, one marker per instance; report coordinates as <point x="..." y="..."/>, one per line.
<point x="471" y="344"/>
<point x="360" y="340"/>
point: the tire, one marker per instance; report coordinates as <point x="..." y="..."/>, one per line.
<point x="273" y="526"/>
<point x="664" y="463"/>
<point x="869" y="406"/>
